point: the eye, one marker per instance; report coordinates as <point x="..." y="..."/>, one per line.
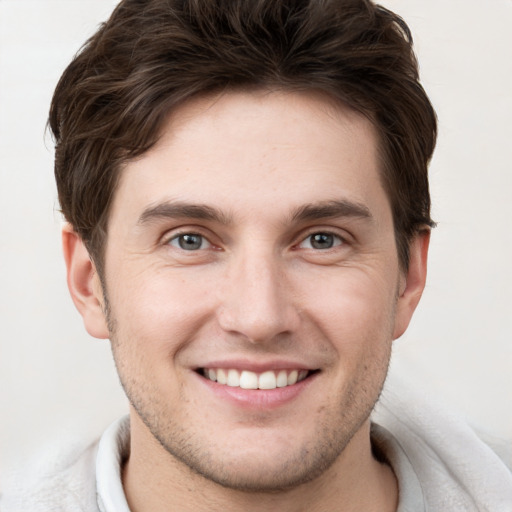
<point x="189" y="242"/>
<point x="321" y="241"/>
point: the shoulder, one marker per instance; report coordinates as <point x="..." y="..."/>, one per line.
<point x="501" y="447"/>
<point x="55" y="482"/>
<point x="456" y="469"/>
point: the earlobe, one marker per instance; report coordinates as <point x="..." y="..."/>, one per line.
<point x="414" y="283"/>
<point x="84" y="283"/>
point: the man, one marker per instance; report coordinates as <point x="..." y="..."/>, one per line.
<point x="245" y="185"/>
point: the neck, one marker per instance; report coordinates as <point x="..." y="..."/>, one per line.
<point x="155" y="481"/>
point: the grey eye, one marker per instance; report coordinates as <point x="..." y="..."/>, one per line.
<point x="189" y="242"/>
<point x="321" y="241"/>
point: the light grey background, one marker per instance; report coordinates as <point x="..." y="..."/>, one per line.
<point x="56" y="382"/>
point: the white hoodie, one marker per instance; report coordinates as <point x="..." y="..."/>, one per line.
<point x="440" y="463"/>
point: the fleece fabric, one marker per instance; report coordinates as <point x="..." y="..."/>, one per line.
<point x="440" y="463"/>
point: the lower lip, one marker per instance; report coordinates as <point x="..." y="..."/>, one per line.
<point x="262" y="399"/>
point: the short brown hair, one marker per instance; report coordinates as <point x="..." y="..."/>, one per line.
<point x="151" y="55"/>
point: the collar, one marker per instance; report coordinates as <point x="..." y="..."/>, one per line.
<point x="113" y="449"/>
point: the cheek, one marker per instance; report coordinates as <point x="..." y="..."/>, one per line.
<point x="353" y="305"/>
<point x="156" y="314"/>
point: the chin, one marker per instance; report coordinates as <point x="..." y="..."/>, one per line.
<point x="258" y="460"/>
<point x="264" y="474"/>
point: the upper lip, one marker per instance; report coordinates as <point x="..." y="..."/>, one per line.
<point x="257" y="366"/>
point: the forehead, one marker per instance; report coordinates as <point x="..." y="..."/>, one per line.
<point x="244" y="150"/>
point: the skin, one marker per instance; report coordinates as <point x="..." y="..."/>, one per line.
<point x="275" y="168"/>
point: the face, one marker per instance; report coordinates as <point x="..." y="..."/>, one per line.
<point x="253" y="286"/>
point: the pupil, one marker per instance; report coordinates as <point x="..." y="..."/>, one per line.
<point x="190" y="242"/>
<point x="322" y="241"/>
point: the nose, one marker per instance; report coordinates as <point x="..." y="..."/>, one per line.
<point x="257" y="302"/>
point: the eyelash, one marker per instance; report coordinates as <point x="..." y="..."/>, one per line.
<point x="336" y="239"/>
<point x="180" y="236"/>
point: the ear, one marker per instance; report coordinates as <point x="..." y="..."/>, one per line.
<point x="412" y="283"/>
<point x="84" y="283"/>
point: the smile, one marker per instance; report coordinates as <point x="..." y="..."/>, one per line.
<point x="245" y="379"/>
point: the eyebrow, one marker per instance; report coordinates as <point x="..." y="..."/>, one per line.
<point x="308" y="212"/>
<point x="331" y="209"/>
<point x="178" y="209"/>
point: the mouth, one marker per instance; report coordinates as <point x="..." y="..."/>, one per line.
<point x="245" y="379"/>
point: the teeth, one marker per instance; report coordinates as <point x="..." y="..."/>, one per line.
<point x="302" y="375"/>
<point x="222" y="378"/>
<point x="282" y="379"/>
<point x="292" y="378"/>
<point x="248" y="380"/>
<point x="251" y="380"/>
<point x="267" y="380"/>
<point x="233" y="378"/>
